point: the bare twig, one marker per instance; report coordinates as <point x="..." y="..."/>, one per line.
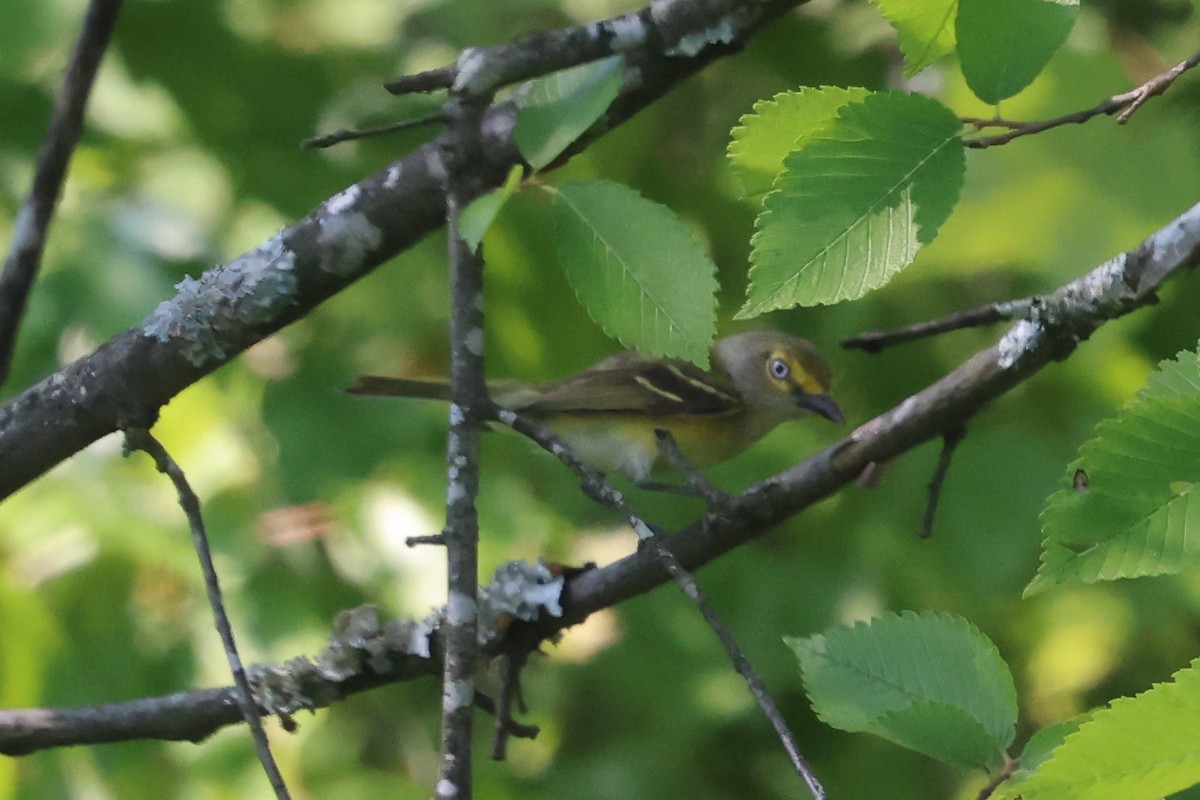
<point x="1002" y="774"/>
<point x="1126" y="103"/>
<point x="1113" y="289"/>
<point x="33" y="219"/>
<point x="142" y="439"/>
<point x="592" y="483"/>
<point x="436" y="538"/>
<point x="699" y="484"/>
<point x="361" y="655"/>
<point x="950" y="441"/>
<point x="754" y="681"/>
<point x="876" y="341"/>
<point x="670" y="26"/>
<point x="343" y="239"/>
<point x="511" y="726"/>
<point x="508" y="696"/>
<point x="468" y="402"/>
<point x="599" y="489"/>
<point x="349" y="135"/>
<point x="428" y="81"/>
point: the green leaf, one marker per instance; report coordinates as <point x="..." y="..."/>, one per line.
<point x="940" y="731"/>
<point x="479" y="215"/>
<point x="1004" y="44"/>
<point x="1140" y="511"/>
<point x="925" y="28"/>
<point x="556" y="110"/>
<point x="1043" y="743"/>
<point x="1139" y="747"/>
<point x="640" y="272"/>
<point x="919" y="680"/>
<point x="855" y="205"/>
<point x="781" y="125"/>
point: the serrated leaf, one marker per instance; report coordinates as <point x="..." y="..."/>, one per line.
<point x="1004" y="44"/>
<point x="780" y="125"/>
<point x="1044" y="742"/>
<point x="911" y="678"/>
<point x="642" y="274"/>
<point x="1139" y="747"/>
<point x="481" y="212"/>
<point x="855" y="205"/>
<point x="940" y="731"/>
<point x="925" y="28"/>
<point x="556" y="110"/>
<point x="1140" y="512"/>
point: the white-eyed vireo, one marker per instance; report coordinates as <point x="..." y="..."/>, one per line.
<point x="608" y="414"/>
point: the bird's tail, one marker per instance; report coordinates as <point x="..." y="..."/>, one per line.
<point x="509" y="394"/>
<point x="401" y="387"/>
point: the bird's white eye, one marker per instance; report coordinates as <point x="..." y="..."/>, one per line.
<point x="779" y="369"/>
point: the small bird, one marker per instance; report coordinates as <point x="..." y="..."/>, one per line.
<point x="608" y="414"/>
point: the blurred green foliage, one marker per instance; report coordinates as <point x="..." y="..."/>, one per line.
<point x="191" y="156"/>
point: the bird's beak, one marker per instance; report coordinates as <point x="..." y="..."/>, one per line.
<point x="822" y="404"/>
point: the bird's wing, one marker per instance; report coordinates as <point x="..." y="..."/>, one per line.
<point x="629" y="384"/>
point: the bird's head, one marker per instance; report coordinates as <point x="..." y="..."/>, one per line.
<point x="777" y="372"/>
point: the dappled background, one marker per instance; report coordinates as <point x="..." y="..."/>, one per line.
<point x="191" y="157"/>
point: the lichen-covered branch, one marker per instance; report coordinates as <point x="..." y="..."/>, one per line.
<point x="468" y="401"/>
<point x="363" y="653"/>
<point x="126" y="380"/>
<point x="676" y="28"/>
<point x="1056" y="326"/>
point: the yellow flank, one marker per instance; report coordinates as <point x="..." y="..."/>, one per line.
<point x="620" y="444"/>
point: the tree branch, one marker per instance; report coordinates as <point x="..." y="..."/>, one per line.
<point x="33" y="219"/>
<point x="988" y="314"/>
<point x="674" y="27"/>
<point x="951" y="439"/>
<point x="1055" y="327"/>
<point x="141" y="439"/>
<point x="468" y="402"/>
<point x="1124" y="105"/>
<point x="231" y="307"/>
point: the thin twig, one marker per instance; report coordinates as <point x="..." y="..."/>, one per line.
<point x="422" y="82"/>
<point x="876" y="341"/>
<point x="1111" y="290"/>
<point x="509" y="674"/>
<point x="348" y="134"/>
<point x="592" y="482"/>
<point x="512" y="727"/>
<point x="699" y="484"/>
<point x="670" y="26"/>
<point x="1003" y="774"/>
<point x="33" y="219"/>
<point x="142" y="439"/>
<point x="459" y="150"/>
<point x="719" y="500"/>
<point x="322" y="254"/>
<point x="596" y="487"/>
<point x="950" y="441"/>
<point x="508" y="696"/>
<point x="1127" y="103"/>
